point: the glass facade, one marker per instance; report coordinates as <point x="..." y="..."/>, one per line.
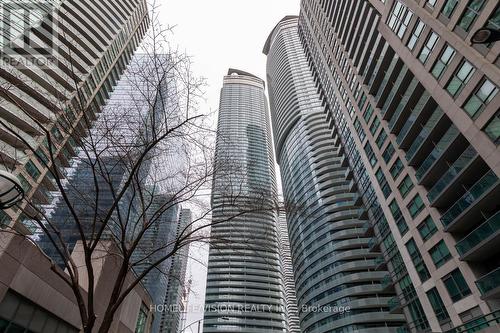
<point x="327" y="222"/>
<point x="435" y="183"/>
<point x="244" y="283"/>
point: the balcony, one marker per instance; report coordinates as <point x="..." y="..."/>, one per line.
<point x="416" y="116"/>
<point x="387" y="283"/>
<point x="436" y="125"/>
<point x="483" y="192"/>
<point x="489" y="285"/>
<point x="395" y="93"/>
<point x="368" y="229"/>
<point x="401" y="113"/>
<point x="477" y="324"/>
<point x="447" y="185"/>
<point x="482" y="242"/>
<point x="380" y="263"/>
<point x="394" y="305"/>
<point x="374" y="245"/>
<point x="444" y="149"/>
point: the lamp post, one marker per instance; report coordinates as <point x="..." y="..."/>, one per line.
<point x="485" y="36"/>
<point x="11" y="191"/>
<point x="194" y="322"/>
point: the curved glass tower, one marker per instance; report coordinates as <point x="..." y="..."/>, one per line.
<point x="338" y="288"/>
<point x="244" y="290"/>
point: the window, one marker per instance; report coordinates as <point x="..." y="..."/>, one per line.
<point x="405" y="186"/>
<point x="368" y="113"/>
<point x="415" y="206"/>
<point x="443" y="62"/>
<point x="398" y="217"/>
<point x="362" y="101"/>
<point x="388" y="153"/>
<point x="32" y="170"/>
<point x="428" y="47"/>
<point x="470" y="14"/>
<point x="461" y="77"/>
<point x="449" y="8"/>
<point x="24" y="183"/>
<point x="396" y="168"/>
<point x="140" y="326"/>
<point x="456" y="285"/>
<point x="483" y="95"/>
<point x="370" y="154"/>
<point x="427" y="228"/>
<point x="415" y="35"/>
<point x="19" y="314"/>
<point x="417" y="260"/>
<point x="493" y="129"/>
<point x="440" y="253"/>
<point x="381" y="139"/>
<point x="375" y="125"/>
<point x="437" y="304"/>
<point x="384" y="186"/>
<point x="399" y="18"/>
<point x="431" y="3"/>
<point x="359" y="129"/>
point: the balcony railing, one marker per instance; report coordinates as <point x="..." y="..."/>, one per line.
<point x="402" y="104"/>
<point x="478" y="324"/>
<point x="464" y="160"/>
<point x="474" y="193"/>
<point x="413" y="116"/>
<point x="438" y="150"/>
<point x="386" y="281"/>
<point x="485" y="230"/>
<point x="393" y="304"/>
<point x="424" y="134"/>
<point x="489" y="282"/>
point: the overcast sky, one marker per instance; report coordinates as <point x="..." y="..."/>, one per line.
<point x="220" y="34"/>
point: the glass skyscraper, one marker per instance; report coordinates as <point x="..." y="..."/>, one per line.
<point x="59" y="58"/>
<point x="330" y="244"/>
<point x="244" y="286"/>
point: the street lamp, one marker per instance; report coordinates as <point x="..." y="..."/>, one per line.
<point x="11" y="191"/>
<point x="485" y="36"/>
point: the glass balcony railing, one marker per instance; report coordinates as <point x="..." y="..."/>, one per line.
<point x="387" y="74"/>
<point x="475" y="192"/>
<point x="402" y="104"/>
<point x="386" y="281"/>
<point x="377" y="68"/>
<point x="373" y="243"/>
<point x="402" y="329"/>
<point x="394" y="89"/>
<point x="467" y="156"/>
<point x="424" y="133"/>
<point x="438" y="150"/>
<point x="489" y="282"/>
<point x="478" y="324"/>
<point x="413" y="116"/>
<point x="379" y="261"/>
<point x="485" y="230"/>
<point x="393" y="304"/>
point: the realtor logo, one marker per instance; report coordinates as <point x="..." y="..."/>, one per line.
<point x="18" y="41"/>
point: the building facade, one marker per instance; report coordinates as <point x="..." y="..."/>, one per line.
<point x="243" y="291"/>
<point x="417" y="106"/>
<point x="333" y="265"/>
<point x="60" y="61"/>
<point x="34" y="298"/>
<point x="291" y="309"/>
<point x="175" y="305"/>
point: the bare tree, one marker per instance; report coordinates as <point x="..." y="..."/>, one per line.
<point x="141" y="159"/>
